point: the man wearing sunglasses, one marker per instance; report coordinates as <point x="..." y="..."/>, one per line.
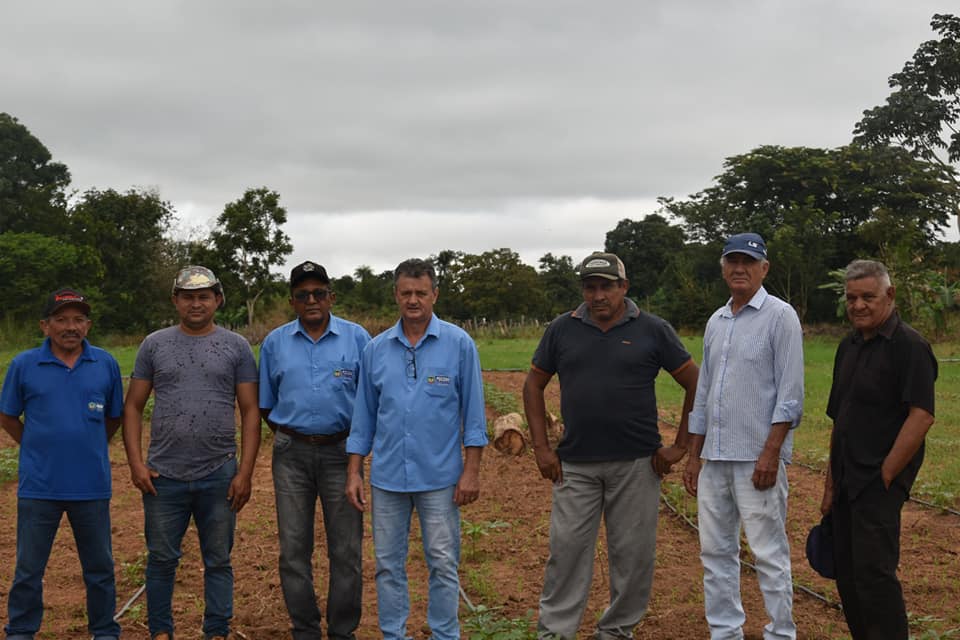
<point x="308" y="381"/>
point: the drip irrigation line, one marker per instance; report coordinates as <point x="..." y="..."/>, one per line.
<point x="466" y="600"/>
<point x="796" y="585"/>
<point x="132" y="599"/>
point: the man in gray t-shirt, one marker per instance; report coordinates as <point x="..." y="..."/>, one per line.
<point x="197" y="371"/>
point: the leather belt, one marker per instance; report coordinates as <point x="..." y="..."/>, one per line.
<point x="318" y="439"/>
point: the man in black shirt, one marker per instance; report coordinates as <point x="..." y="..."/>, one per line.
<point x="881" y="404"/>
<point x="608" y="464"/>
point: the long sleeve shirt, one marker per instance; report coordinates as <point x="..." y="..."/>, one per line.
<point x="751" y="377"/>
<point x="416" y="406"/>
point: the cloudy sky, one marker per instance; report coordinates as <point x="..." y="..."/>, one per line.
<point x="395" y="129"/>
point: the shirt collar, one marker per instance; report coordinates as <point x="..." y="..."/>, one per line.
<point x="433" y="329"/>
<point x="583" y="313"/>
<point x="46" y="353"/>
<point x="332" y="327"/>
<point x="886" y="329"/>
<point x="756" y="302"/>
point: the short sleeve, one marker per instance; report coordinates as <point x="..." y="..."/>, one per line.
<point x="920" y="373"/>
<point x="143" y="365"/>
<point x="545" y="356"/>
<point x="11" y="402"/>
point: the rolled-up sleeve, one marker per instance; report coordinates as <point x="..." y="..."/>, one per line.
<point x="788" y="369"/>
<point x="472" y="402"/>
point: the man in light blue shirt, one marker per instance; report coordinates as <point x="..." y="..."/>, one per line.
<point x="749" y="398"/>
<point x="308" y="382"/>
<point x="419" y="398"/>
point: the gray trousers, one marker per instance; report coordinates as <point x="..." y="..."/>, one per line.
<point x="626" y="494"/>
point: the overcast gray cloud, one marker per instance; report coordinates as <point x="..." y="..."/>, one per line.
<point x="394" y="129"/>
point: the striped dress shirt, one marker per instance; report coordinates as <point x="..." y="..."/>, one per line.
<point x="751" y="377"/>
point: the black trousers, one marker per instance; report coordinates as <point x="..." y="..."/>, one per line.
<point x="866" y="538"/>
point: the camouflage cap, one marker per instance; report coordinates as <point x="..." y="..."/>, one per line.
<point x="197" y="277"/>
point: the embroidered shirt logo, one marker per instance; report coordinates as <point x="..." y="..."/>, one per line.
<point x="440" y="380"/>
<point x="343" y="373"/>
<point x="96" y="407"/>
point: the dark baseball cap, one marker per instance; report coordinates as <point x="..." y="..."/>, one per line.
<point x="63" y="297"/>
<point x="820" y="548"/>
<point x="306" y="270"/>
<point x="749" y="243"/>
<point x="602" y="265"/>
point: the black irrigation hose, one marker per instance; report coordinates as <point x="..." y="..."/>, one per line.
<point x="796" y="585"/>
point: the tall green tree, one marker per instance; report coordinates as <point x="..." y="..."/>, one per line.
<point x="922" y="113"/>
<point x="645" y="246"/>
<point x="497" y="285"/>
<point x="127" y="232"/>
<point x="247" y="242"/>
<point x="32" y="265"/>
<point x="560" y="283"/>
<point x="820" y="208"/>
<point x="32" y="186"/>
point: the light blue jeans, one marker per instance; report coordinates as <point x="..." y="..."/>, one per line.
<point x="440" y="528"/>
<point x="166" y="517"/>
<point x="726" y="498"/>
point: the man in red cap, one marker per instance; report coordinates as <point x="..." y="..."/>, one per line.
<point x="62" y="402"/>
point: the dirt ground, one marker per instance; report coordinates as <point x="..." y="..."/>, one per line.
<point x="502" y="565"/>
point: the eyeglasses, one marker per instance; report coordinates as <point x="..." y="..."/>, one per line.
<point x="304" y="294"/>
<point x="411" y="359"/>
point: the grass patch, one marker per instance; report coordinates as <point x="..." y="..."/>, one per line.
<point x="509" y="354"/>
<point x="486" y="624"/>
<point x="8" y="463"/>
<point x="502" y="402"/>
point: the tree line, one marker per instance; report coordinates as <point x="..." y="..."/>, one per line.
<point x="889" y="195"/>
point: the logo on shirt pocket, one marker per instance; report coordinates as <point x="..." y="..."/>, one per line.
<point x="96" y="406"/>
<point x="438" y="384"/>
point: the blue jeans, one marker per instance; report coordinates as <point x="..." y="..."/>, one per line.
<point x="440" y="529"/>
<point x="37" y="524"/>
<point x="726" y="498"/>
<point x="302" y="472"/>
<point x="166" y="516"/>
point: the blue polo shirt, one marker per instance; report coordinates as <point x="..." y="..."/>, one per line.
<point x="310" y="385"/>
<point x="416" y="425"/>
<point x="63" y="454"/>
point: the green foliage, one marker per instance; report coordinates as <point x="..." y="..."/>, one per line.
<point x="925" y="101"/>
<point x="502" y="402"/>
<point x="33" y="265"/>
<point x="495" y="285"/>
<point x="9" y="459"/>
<point x="32" y="188"/>
<point x="247" y="242"/>
<point x="646" y="247"/>
<point x="485" y="624"/>
<point x="474" y="531"/>
<point x="820" y="208"/>
<point x="560" y="284"/>
<point x="126" y="229"/>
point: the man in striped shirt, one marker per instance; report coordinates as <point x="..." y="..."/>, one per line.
<point x="749" y="398"/>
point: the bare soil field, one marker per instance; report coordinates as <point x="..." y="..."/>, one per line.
<point x="503" y="561"/>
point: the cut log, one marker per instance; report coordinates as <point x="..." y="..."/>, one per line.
<point x="508" y="434"/>
<point x="554" y="427"/>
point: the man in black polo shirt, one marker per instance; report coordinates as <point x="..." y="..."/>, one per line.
<point x="609" y="462"/>
<point x="881" y="404"/>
